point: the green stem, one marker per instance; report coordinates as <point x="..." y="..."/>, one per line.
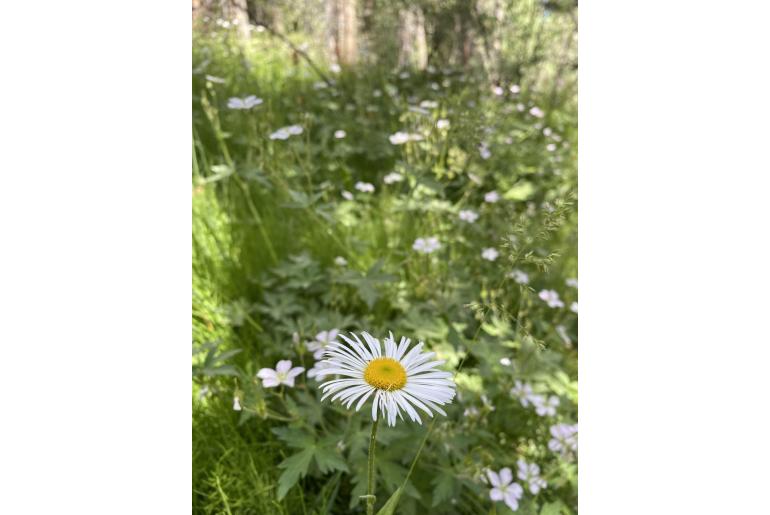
<point x="370" y="498"/>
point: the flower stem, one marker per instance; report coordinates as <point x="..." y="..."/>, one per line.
<point x="370" y="498"/>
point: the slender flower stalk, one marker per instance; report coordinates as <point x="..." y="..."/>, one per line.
<point x="370" y="497"/>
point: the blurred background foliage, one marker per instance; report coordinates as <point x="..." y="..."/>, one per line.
<point x="285" y="246"/>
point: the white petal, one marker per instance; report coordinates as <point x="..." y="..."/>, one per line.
<point x="505" y="476"/>
<point x="496" y="494"/>
<point x="511" y="501"/>
<point x="283" y="366"/>
<point x="270" y="382"/>
<point x="494" y="479"/>
<point x="265" y="373"/>
<point x="294" y="372"/>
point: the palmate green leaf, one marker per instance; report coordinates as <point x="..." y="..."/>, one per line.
<point x="295" y="437"/>
<point x="328" y="459"/>
<point x="555" y="508"/>
<point x="366" y="285"/>
<point x="443" y="487"/>
<point x="295" y="466"/>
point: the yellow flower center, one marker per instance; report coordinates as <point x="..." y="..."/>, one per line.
<point x="385" y="374"/>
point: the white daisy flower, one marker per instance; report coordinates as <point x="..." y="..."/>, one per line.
<point x="365" y="187"/>
<point x="530" y="473"/>
<point x="442" y="124"/>
<point x="322" y="340"/>
<point x="514" y="88"/>
<point x="491" y="197"/>
<point x="490" y="254"/>
<point x="573" y="307"/>
<point x="503" y="489"/>
<point x="236" y="403"/>
<point x="426" y="245"/>
<point x="283" y="374"/>
<point x="564" y="441"/>
<point x="466" y="215"/>
<point x="243" y="103"/>
<point x="340" y="261"/>
<point x="519" y="276"/>
<point x="393" y="177"/>
<point x="545" y="407"/>
<point x="399" y="380"/>
<point x="523" y="392"/>
<point x="536" y="112"/>
<point x="551" y="297"/>
<point x="340" y="134"/>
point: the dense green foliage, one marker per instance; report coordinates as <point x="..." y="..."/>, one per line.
<point x="269" y="219"/>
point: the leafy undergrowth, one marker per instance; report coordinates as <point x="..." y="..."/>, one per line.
<point x="308" y="231"/>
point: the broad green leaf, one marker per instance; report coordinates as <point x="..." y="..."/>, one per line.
<point x="329" y="459"/>
<point x="295" y="467"/>
<point x="443" y="487"/>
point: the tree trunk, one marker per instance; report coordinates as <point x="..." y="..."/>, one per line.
<point x="343" y="31"/>
<point x="413" y="49"/>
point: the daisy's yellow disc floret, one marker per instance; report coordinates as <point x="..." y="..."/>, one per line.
<point x="385" y="374"/>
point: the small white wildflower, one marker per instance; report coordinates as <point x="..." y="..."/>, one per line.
<point x="243" y="103"/>
<point x="573" y="307"/>
<point x="545" y="407"/>
<point x="491" y="197"/>
<point x="335" y="68"/>
<point x="523" y="392"/>
<point x="503" y="488"/>
<point x="429" y="104"/>
<point x="285" y="132"/>
<point x="340" y="261"/>
<point x="322" y="340"/>
<point x="519" y="276"/>
<point x="514" y="88"/>
<point x="564" y="441"/>
<point x="466" y="215"/>
<point x="347" y="195"/>
<point x="484" y="151"/>
<point x="551" y="297"/>
<point x="283" y="374"/>
<point x="393" y="177"/>
<point x="365" y="187"/>
<point x="236" y="403"/>
<point x="506" y="362"/>
<point x="530" y="474"/>
<point x="497" y="90"/>
<point x="547" y="131"/>
<point x="318" y="366"/>
<point x="550" y="147"/>
<point x="399" y="138"/>
<point x="490" y="254"/>
<point x="487" y="403"/>
<point x="536" y="112"/>
<point x="377" y="93"/>
<point x="571" y="282"/>
<point x="320" y="85"/>
<point x="442" y="124"/>
<point x="520" y="107"/>
<point x="426" y="245"/>
<point x="216" y="80"/>
<point x="340" y="134"/>
<point x="471" y="411"/>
